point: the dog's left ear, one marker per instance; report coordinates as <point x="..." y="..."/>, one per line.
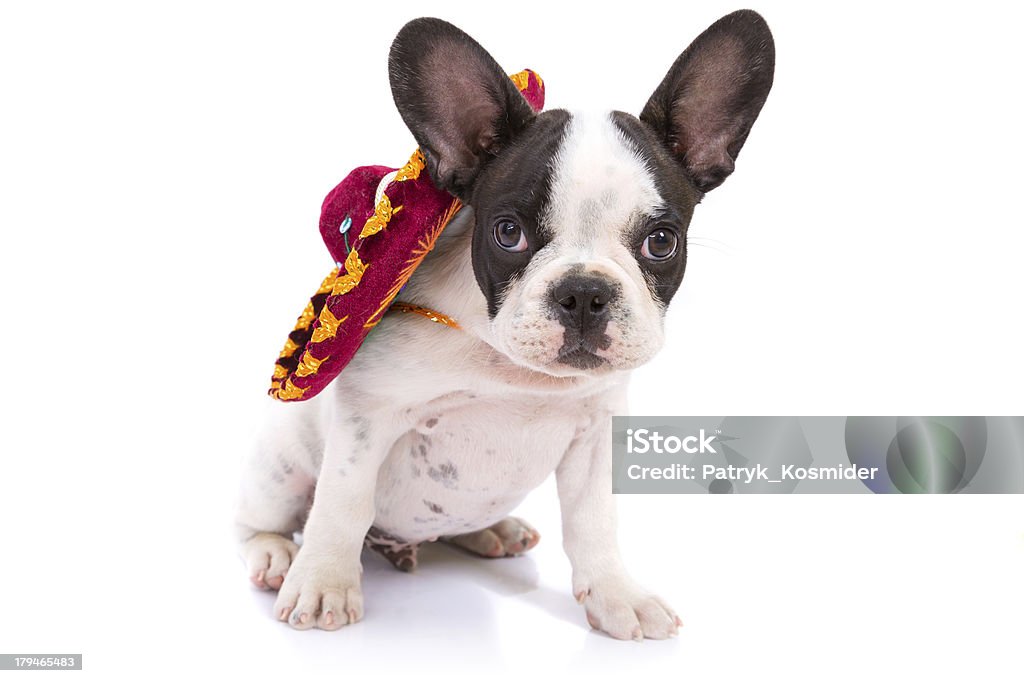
<point x="457" y="102"/>
<point x="709" y="100"/>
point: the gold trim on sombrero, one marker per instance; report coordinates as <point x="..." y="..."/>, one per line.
<point x="382" y="214"/>
<point x="289" y="348"/>
<point x="521" y="79"/>
<point x="412" y="168"/>
<point x="328" y="283"/>
<point x="304" y="322"/>
<point x="309" y="365"/>
<point x="426" y="243"/>
<point x="328" y="326"/>
<point x="306" y="318"/>
<point x="289" y="392"/>
<point x="308" y="315"/>
<point x="354" y="269"/>
<point x="427" y="313"/>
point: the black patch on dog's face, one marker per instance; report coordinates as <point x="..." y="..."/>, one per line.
<point x="680" y="197"/>
<point x="484" y="144"/>
<point x="514" y="186"/>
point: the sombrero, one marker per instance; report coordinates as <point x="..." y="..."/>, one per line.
<point x="378" y="224"/>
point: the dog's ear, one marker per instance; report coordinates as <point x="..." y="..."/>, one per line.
<point x="457" y="102"/>
<point x="706" y="105"/>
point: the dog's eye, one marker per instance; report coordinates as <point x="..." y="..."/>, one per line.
<point x="509" y="236"/>
<point x="660" y="245"/>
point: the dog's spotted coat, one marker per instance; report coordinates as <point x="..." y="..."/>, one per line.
<point x="559" y="271"/>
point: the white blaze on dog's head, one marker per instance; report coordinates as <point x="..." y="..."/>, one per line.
<point x="583" y="304"/>
<point x="579" y="239"/>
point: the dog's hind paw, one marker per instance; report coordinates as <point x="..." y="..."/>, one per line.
<point x="511" y="536"/>
<point x="268" y="556"/>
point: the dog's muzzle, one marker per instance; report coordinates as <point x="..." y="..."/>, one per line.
<point x="582" y="303"/>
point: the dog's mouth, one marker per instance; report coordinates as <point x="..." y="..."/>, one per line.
<point x="579" y="354"/>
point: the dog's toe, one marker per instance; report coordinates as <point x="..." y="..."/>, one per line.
<point x="510" y="536"/>
<point x="625" y="611"/>
<point x="320" y="597"/>
<point x="268" y="557"/>
<point x="516" y="535"/>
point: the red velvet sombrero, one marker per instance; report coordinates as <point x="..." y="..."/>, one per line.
<point x="378" y="225"/>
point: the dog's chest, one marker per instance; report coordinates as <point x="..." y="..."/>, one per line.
<point x="467" y="466"/>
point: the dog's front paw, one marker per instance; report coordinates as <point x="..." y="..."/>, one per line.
<point x="624" y="610"/>
<point x="268" y="557"/>
<point x="319" y="593"/>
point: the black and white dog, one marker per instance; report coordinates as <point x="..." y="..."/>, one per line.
<point x="559" y="271"/>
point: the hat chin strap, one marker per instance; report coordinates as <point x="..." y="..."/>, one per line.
<point x="383" y="185"/>
<point x="429" y="314"/>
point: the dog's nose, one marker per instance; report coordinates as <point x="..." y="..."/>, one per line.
<point x="582" y="301"/>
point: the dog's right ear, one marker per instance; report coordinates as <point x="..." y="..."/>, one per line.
<point x="458" y="103"/>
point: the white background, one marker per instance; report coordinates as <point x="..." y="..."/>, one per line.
<point x="161" y="173"/>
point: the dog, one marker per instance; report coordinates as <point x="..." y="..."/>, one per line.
<point x="559" y="271"/>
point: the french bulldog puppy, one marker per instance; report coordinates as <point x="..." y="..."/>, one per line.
<point x="558" y="270"/>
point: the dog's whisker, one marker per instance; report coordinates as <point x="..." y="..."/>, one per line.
<point x="713" y="247"/>
<point x="702" y="238"/>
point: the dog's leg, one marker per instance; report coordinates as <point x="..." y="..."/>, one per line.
<point x="511" y="536"/>
<point x="614" y="603"/>
<point x="276" y="491"/>
<point x="400" y="554"/>
<point x="322" y="588"/>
